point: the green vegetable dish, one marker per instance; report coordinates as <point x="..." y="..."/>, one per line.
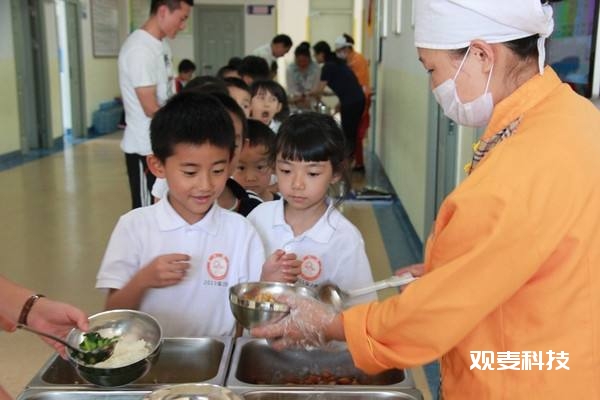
<point x="93" y="341"/>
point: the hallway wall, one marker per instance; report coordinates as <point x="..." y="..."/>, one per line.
<point x="402" y="119"/>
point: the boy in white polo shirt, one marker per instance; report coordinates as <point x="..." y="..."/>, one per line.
<point x="177" y="258"/>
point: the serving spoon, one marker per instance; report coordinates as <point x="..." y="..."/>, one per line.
<point x="332" y="294"/>
<point x="88" y="357"/>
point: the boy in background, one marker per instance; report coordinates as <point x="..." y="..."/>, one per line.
<point x="240" y="92"/>
<point x="177" y="258"/>
<point x="254" y="168"/>
<point x="186" y="70"/>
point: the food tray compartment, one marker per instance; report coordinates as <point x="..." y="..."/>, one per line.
<point x="181" y="360"/>
<point x="254" y="364"/>
<point x="407" y="394"/>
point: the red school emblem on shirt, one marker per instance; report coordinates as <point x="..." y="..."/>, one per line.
<point x="217" y="266"/>
<point x="311" y="267"/>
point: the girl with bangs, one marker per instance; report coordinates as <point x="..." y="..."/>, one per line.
<point x="309" y="159"/>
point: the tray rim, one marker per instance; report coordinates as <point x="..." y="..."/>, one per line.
<point x="240" y="387"/>
<point x="219" y="379"/>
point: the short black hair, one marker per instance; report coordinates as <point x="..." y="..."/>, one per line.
<point x="186" y="65"/>
<point x="238" y="83"/>
<point x="255" y="67"/>
<point x="276" y="90"/>
<point x="323" y="47"/>
<point x="171" y="4"/>
<point x="303" y="49"/>
<point x="285" y="40"/>
<point x="225" y="69"/>
<point x="260" y="134"/>
<point x="206" y="80"/>
<point x="219" y="90"/>
<point x="313" y="136"/>
<point x="191" y="118"/>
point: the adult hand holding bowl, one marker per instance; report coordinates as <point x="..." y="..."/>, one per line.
<point x="307" y="325"/>
<point x="255" y="303"/>
<point x="139" y="341"/>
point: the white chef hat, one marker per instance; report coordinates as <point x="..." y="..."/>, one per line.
<point x="453" y="24"/>
<point x="341" y="42"/>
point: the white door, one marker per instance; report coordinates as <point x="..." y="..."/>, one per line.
<point x="328" y="19"/>
<point x="218" y="36"/>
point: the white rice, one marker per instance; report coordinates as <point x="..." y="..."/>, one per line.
<point x="128" y="350"/>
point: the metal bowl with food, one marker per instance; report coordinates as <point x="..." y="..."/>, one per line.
<point x="254" y="303"/>
<point x="138" y="338"/>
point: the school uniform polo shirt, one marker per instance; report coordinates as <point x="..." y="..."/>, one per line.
<point x="332" y="250"/>
<point x="224" y="249"/>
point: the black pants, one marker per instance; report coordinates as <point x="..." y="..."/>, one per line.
<point x="351" y="114"/>
<point x="141" y="180"/>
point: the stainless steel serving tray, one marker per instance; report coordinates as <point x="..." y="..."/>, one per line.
<point x="355" y="394"/>
<point x="256" y="367"/>
<point x="58" y="394"/>
<point x="181" y="360"/>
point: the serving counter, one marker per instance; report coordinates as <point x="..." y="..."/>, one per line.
<point x="248" y="366"/>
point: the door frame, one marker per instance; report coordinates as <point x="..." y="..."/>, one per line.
<point x="81" y="130"/>
<point x="33" y="93"/>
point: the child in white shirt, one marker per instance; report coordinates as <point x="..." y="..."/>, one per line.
<point x="309" y="158"/>
<point x="177" y="258"/>
<point x="269" y="103"/>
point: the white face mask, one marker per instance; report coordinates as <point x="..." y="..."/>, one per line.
<point x="476" y="113"/>
<point x="341" y="54"/>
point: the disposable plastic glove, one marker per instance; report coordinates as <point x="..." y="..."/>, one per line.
<point x="303" y="327"/>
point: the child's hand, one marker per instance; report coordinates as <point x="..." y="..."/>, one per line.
<point x="166" y="270"/>
<point x="281" y="267"/>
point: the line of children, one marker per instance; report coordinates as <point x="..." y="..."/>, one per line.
<point x="309" y="158"/>
<point x="177" y="258"/>
<point x="254" y="168"/>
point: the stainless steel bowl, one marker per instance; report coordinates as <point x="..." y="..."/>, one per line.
<point x="122" y="322"/>
<point x="251" y="313"/>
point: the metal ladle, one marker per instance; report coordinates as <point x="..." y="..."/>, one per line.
<point x="332" y="294"/>
<point x="88" y="357"/>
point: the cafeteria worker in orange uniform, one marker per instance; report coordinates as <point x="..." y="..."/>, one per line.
<point x="512" y="266"/>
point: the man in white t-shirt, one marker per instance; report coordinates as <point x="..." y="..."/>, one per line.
<point x="278" y="47"/>
<point x="146" y="82"/>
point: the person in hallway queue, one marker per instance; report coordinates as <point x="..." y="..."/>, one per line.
<point x="303" y="76"/>
<point x="146" y="82"/>
<point x="309" y="159"/>
<point x="344" y="49"/>
<point x="171" y="259"/>
<point x="340" y="78"/>
<point x="510" y="296"/>
<point x="270" y="52"/>
<point x="21" y="305"/>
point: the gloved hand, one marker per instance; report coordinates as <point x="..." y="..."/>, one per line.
<point x="305" y="326"/>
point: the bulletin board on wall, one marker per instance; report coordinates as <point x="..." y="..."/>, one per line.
<point x="105" y="28"/>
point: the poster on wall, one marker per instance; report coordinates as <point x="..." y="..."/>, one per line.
<point x="570" y="49"/>
<point x="105" y="28"/>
